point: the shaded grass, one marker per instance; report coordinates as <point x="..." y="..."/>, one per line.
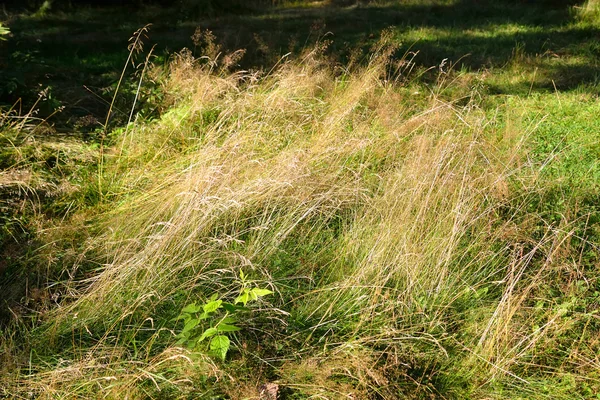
<point x="547" y="44"/>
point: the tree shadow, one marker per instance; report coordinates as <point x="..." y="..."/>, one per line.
<point x="81" y="55"/>
<point x="541" y="35"/>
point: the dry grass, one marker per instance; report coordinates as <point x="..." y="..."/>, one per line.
<point x="589" y="11"/>
<point x="390" y="216"/>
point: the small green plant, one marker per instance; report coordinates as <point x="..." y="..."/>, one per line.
<point x="216" y="319"/>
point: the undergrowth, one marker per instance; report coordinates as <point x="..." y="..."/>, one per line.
<point x="418" y="243"/>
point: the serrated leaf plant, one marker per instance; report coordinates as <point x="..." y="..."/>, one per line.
<point x="215" y="320"/>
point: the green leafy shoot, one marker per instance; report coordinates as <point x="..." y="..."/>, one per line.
<point x="219" y="346"/>
<point x="215" y="320"/>
<point x="251" y="295"/>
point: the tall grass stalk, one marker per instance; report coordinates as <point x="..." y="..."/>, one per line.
<point x="136" y="45"/>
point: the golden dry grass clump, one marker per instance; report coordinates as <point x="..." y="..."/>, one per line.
<point x="373" y="212"/>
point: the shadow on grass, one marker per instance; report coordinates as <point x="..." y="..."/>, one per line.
<point x="80" y="55"/>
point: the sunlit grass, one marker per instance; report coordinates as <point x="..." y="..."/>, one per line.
<point x="425" y="231"/>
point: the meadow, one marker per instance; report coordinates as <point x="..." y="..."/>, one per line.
<point x="312" y="200"/>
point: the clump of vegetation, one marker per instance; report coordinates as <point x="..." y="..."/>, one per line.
<point x="220" y="316"/>
<point x="589" y="11"/>
<point x="372" y="229"/>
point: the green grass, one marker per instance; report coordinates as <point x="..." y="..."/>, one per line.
<point x="421" y="195"/>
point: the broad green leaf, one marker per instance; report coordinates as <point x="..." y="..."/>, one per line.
<point x="219" y="345"/>
<point x="261" y="292"/>
<point x="203" y="316"/>
<point x="229" y="320"/>
<point x="244" y="297"/>
<point x="227" y="328"/>
<point x="191" y="324"/>
<point x="183" y="335"/>
<point x="214" y="297"/>
<point x="191" y="308"/>
<point x="212" y="306"/>
<point x="242" y="275"/>
<point x="208" y="333"/>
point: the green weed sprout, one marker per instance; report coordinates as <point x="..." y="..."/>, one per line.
<point x="215" y="320"/>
